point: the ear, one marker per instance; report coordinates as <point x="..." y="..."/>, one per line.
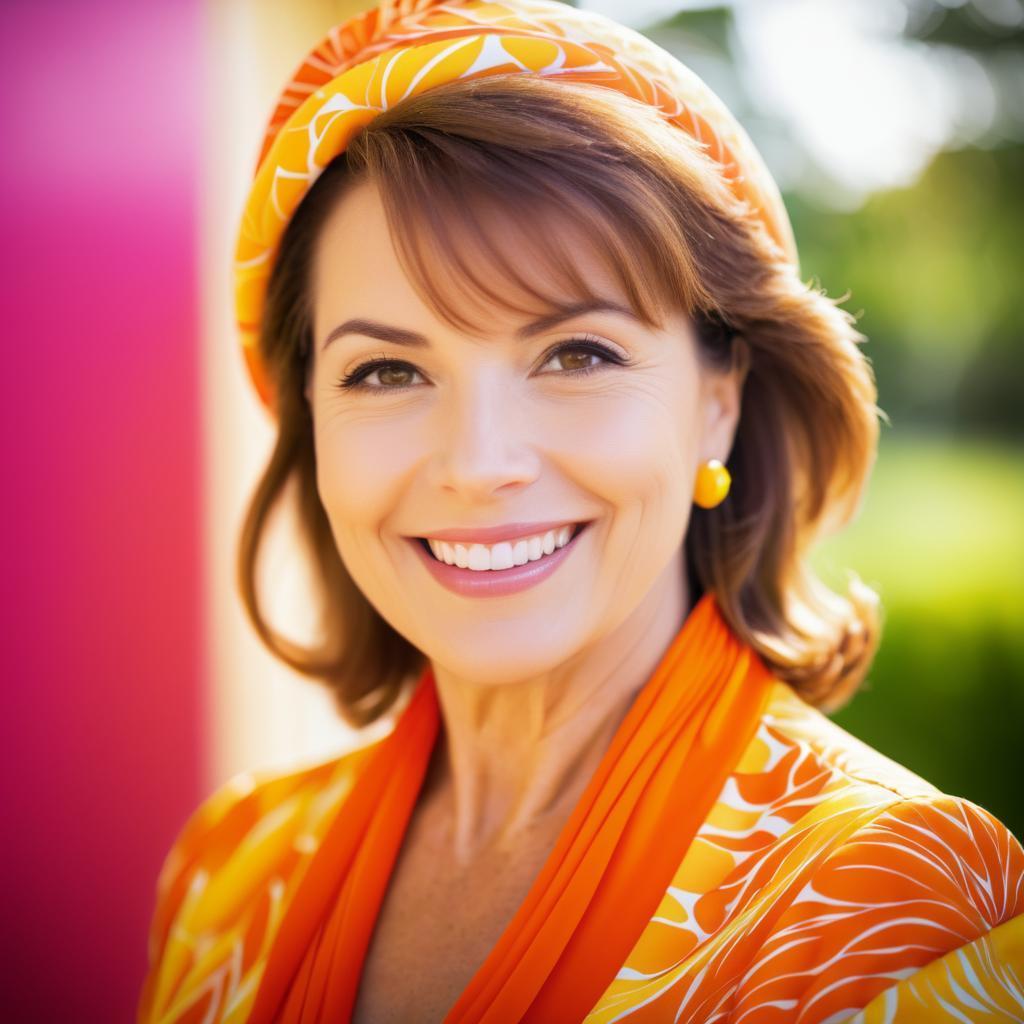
<point x="723" y="399"/>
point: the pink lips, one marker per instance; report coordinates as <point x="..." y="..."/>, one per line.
<point x="494" y="582"/>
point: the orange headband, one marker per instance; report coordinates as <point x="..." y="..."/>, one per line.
<point x="372" y="61"/>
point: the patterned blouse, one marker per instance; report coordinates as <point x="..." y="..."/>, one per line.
<point x="828" y="884"/>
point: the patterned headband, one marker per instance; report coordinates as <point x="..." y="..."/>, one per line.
<point x="374" y="60"/>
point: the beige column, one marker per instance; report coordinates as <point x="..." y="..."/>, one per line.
<point x="259" y="714"/>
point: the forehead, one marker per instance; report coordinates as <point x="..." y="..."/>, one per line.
<point x="475" y="264"/>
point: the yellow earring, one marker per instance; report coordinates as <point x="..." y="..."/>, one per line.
<point x="712" y="485"/>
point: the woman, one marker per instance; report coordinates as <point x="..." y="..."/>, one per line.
<point x="515" y="287"/>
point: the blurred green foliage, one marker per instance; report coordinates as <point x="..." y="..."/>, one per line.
<point x="933" y="273"/>
<point x="940" y="538"/>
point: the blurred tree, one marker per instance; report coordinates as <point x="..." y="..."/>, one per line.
<point x="983" y="26"/>
<point x="933" y="267"/>
<point x="932" y="270"/>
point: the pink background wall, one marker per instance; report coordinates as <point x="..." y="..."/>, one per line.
<point x="102" y="602"/>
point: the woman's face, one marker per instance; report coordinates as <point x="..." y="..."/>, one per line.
<point x="464" y="432"/>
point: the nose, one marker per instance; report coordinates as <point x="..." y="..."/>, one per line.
<point x="483" y="440"/>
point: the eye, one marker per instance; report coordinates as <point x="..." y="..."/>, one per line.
<point x="589" y="348"/>
<point x="389" y="369"/>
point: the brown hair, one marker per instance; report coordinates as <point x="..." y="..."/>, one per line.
<point x="658" y="210"/>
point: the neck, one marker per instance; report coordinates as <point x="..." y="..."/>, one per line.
<point x="511" y="762"/>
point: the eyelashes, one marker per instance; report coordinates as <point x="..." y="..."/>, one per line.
<point x="356" y="380"/>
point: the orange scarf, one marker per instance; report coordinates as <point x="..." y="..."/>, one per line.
<point x="604" y="879"/>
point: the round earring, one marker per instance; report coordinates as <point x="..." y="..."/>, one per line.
<point x="712" y="485"/>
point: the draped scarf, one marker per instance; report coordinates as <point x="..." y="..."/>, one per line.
<point x="604" y="879"/>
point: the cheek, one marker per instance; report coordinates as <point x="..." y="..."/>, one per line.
<point x="634" y="447"/>
<point x="631" y="450"/>
<point x="359" y="472"/>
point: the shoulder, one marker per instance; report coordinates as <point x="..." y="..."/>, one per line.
<point x="927" y="880"/>
<point x="807" y="796"/>
<point x="232" y="863"/>
<point x="793" y="729"/>
<point x="875" y="812"/>
<point x="802" y="783"/>
<point x="252" y="810"/>
<point x="886" y="874"/>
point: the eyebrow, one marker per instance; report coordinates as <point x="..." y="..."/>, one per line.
<point x="401" y="336"/>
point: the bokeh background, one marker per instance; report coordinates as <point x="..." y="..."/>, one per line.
<point x="131" y="440"/>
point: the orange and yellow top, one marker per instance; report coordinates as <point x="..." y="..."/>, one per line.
<point x="819" y="882"/>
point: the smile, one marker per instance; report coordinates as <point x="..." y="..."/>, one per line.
<point x="505" y="554"/>
<point x="491" y="570"/>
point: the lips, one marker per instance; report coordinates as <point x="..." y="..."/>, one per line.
<point x="496" y="582"/>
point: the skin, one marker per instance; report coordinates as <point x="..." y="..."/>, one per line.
<point x="490" y="429"/>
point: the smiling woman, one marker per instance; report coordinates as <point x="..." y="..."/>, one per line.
<point x="444" y="199"/>
<point x="588" y="415"/>
<point x="513" y="330"/>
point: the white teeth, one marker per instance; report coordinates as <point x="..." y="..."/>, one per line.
<point x="484" y="557"/>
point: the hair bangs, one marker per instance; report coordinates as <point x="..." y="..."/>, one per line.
<point x="454" y="209"/>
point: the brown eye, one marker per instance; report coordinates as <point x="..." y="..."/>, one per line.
<point x="396" y="375"/>
<point x="576" y="357"/>
<point x="393" y="374"/>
